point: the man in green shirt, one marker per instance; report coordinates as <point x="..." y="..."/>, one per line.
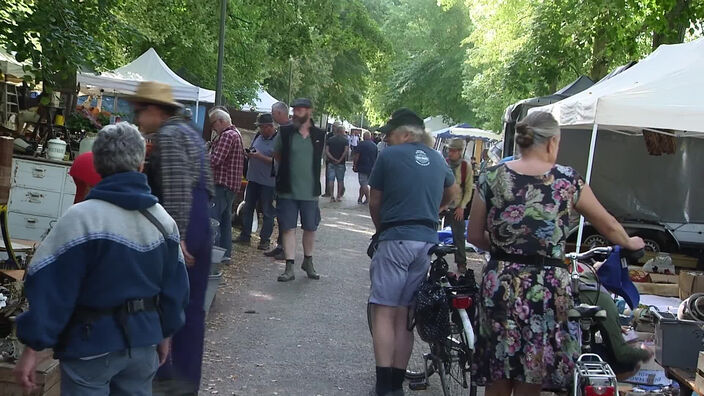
<point x="298" y="150"/>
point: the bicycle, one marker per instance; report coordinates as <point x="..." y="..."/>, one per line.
<point x="592" y="376"/>
<point x="450" y="358"/>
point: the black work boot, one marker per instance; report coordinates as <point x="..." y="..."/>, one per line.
<point x="307" y="266"/>
<point x="288" y="273"/>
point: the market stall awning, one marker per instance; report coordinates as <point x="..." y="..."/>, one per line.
<point x="465" y="131"/>
<point x="11" y="67"/>
<point x="262" y="103"/>
<point x="660" y="92"/>
<point x="148" y="67"/>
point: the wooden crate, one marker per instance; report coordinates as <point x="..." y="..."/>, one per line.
<point x="48" y="378"/>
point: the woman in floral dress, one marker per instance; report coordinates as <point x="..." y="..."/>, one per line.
<point x="522" y="217"/>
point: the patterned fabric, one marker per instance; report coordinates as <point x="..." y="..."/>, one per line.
<point x="172" y="170"/>
<point x="227" y="159"/>
<point x="530" y="214"/>
<point x="523" y="332"/>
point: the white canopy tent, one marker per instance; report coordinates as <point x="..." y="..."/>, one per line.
<point x="435" y="122"/>
<point x="660" y="92"/>
<point x="10" y="66"/>
<point x="147" y="67"/>
<point x="150" y="67"/>
<point x="262" y="103"/>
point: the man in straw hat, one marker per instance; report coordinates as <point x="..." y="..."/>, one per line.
<point x="464" y="178"/>
<point x="260" y="182"/>
<point x="410" y="184"/>
<point x="179" y="174"/>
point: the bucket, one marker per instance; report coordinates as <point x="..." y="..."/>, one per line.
<point x="213" y="284"/>
<point x="56" y="149"/>
<point x="87" y="143"/>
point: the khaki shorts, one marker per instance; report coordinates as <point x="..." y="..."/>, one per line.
<point x="397" y="269"/>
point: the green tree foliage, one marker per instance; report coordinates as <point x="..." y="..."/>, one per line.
<point x="424" y="71"/>
<point x="332" y="65"/>
<point x="523" y="48"/>
<point x="332" y="41"/>
<point x="59" y="35"/>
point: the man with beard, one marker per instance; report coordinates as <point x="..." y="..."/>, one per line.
<point x="298" y="149"/>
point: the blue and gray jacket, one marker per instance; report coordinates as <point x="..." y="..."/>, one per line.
<point x="100" y="254"/>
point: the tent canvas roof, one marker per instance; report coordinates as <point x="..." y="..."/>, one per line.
<point x="147" y="67"/>
<point x="10" y="66"/>
<point x="262" y="103"/>
<point x="661" y="91"/>
<point x="467" y="131"/>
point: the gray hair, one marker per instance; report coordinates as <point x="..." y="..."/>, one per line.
<point x="536" y="129"/>
<point x="418" y="134"/>
<point x="118" y="148"/>
<point x="366" y="135"/>
<point x="220" y="114"/>
<point x="279" y="106"/>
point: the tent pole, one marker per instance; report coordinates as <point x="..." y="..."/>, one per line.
<point x="590" y="163"/>
<point x="197" y="107"/>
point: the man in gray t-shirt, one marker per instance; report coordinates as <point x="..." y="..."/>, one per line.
<point x="410" y="185"/>
<point x="260" y="182"/>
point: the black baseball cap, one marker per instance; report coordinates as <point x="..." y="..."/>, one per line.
<point x="264" y="119"/>
<point x="400" y="117"/>
<point x="302" y="102"/>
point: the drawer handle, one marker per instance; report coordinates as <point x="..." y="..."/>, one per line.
<point x="38" y="173"/>
<point x="34" y="197"/>
<point x="31" y="222"/>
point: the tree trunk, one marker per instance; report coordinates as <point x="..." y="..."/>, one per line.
<point x="599" y="61"/>
<point x="677" y="22"/>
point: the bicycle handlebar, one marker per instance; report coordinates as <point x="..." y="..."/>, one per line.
<point x="605" y="251"/>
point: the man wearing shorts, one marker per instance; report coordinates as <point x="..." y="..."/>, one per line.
<point x="364" y="159"/>
<point x="336" y="151"/>
<point x="298" y="149"/>
<point x="410" y="184"/>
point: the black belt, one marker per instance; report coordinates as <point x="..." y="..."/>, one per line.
<point x="533" y="259"/>
<point x="423" y="222"/>
<point x="86" y="316"/>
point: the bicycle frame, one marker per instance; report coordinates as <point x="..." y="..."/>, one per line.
<point x="592" y="376"/>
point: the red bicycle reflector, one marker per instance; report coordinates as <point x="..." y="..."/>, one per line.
<point x="461" y="302"/>
<point x="591" y="390"/>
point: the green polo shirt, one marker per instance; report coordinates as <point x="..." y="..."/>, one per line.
<point x="301" y="167"/>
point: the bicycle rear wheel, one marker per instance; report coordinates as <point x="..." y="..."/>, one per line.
<point x="454" y="367"/>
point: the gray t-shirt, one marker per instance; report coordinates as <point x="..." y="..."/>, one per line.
<point x="412" y="177"/>
<point x="259" y="171"/>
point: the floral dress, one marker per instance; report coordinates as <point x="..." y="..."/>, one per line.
<point x="522" y="328"/>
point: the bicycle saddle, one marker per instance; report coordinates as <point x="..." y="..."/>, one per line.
<point x="584" y="311"/>
<point x="442" y="250"/>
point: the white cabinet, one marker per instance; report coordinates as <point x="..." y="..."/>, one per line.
<point x="40" y="193"/>
<point x="30" y="227"/>
<point x="34" y="201"/>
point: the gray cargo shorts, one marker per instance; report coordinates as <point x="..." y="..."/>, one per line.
<point x="397" y="269"/>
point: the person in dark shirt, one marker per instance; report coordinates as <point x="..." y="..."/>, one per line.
<point x="364" y="159"/>
<point x="336" y="153"/>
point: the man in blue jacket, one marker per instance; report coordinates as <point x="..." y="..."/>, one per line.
<point x="108" y="285"/>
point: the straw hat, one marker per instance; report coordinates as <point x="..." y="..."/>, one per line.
<point x="155" y="93"/>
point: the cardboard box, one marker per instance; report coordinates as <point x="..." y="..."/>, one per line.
<point x="690" y="282"/>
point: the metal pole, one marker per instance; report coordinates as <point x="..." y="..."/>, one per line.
<point x="590" y="163"/>
<point x="221" y="52"/>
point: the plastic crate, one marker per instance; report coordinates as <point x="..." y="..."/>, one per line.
<point x="677" y="342"/>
